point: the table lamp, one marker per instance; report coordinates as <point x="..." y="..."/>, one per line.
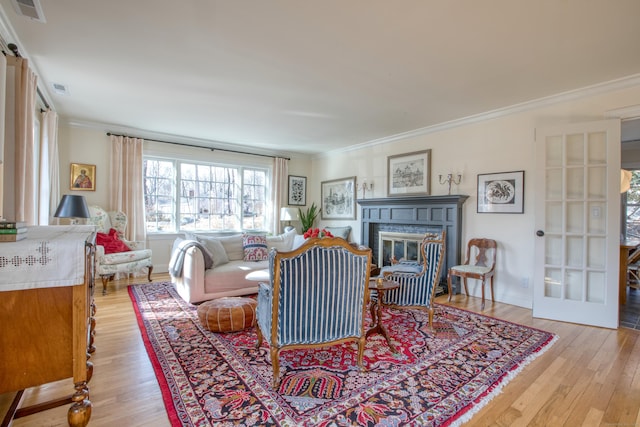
<point x="72" y="206"/>
<point x="288" y="214"/>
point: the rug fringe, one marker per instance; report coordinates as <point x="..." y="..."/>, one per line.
<point x="497" y="388"/>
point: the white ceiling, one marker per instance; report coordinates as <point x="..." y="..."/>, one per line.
<point x="318" y="75"/>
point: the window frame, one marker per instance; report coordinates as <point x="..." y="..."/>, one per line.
<point x="177" y="164"/>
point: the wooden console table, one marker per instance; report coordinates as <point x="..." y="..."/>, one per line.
<point x="46" y="316"/>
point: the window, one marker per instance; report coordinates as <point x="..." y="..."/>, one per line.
<point x="182" y="195"/>
<point x="631" y="208"/>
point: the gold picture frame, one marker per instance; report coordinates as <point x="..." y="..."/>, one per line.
<point x="83" y="177"/>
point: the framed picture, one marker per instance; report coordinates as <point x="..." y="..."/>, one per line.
<point x="338" y="198"/>
<point x="501" y="192"/>
<point x="297" y="190"/>
<point x="409" y="174"/>
<point x="83" y="177"/>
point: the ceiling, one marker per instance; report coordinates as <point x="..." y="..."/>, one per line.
<point x="314" y="76"/>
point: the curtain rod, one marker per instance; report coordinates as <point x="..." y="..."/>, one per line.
<point x="206" y="148"/>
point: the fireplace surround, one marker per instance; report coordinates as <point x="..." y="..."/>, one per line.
<point x="415" y="215"/>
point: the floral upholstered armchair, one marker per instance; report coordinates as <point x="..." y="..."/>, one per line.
<point x="417" y="287"/>
<point x="130" y="257"/>
<point x="317" y="296"/>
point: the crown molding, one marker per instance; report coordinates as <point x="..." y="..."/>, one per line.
<point x="159" y="136"/>
<point x="609" y="86"/>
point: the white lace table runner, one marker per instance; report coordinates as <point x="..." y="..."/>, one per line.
<point x="50" y="256"/>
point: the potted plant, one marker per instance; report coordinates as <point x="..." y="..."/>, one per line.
<point x="309" y="217"/>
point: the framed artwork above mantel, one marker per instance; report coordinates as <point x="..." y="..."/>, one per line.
<point x="409" y="174"/>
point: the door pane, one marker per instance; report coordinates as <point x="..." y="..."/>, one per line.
<point x="553" y="218"/>
<point x="597" y="219"/>
<point x="597" y="148"/>
<point x="596" y="286"/>
<point x="575" y="217"/>
<point x="596" y="252"/>
<point x="575" y="150"/>
<point x="553" y="189"/>
<point x="553" y="283"/>
<point x="575" y="252"/>
<point x="597" y="182"/>
<point x="573" y="285"/>
<point x="575" y="183"/>
<point x="553" y="249"/>
<point x="553" y="151"/>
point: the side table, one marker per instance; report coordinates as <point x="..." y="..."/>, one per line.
<point x="381" y="286"/>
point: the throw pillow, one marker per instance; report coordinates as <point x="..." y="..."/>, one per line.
<point x="255" y="247"/>
<point x="216" y="249"/>
<point x="111" y="242"/>
<point x="282" y="242"/>
<point x="340" y="231"/>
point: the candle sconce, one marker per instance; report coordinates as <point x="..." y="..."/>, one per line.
<point x="365" y="187"/>
<point x="450" y="179"/>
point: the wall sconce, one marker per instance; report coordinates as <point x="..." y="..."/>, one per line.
<point x="450" y="179"/>
<point x="365" y="187"/>
<point x="73" y="207"/>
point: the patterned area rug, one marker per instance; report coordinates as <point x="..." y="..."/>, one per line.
<point x="437" y="378"/>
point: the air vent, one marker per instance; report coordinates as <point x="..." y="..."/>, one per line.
<point x="29" y="9"/>
<point x="60" y="89"/>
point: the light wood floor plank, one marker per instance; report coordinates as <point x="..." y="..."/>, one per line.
<point x="589" y="377"/>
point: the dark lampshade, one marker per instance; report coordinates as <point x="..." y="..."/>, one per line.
<point x="72" y="207"/>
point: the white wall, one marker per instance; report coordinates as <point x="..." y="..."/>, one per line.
<point x="497" y="145"/>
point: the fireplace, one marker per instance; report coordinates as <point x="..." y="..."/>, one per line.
<point x="396" y="216"/>
<point x="394" y="247"/>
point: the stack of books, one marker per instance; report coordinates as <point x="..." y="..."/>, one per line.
<point x="12" y="231"/>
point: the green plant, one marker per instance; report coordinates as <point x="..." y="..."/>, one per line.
<point x="309" y="217"/>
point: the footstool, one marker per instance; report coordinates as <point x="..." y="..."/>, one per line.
<point x="229" y="314"/>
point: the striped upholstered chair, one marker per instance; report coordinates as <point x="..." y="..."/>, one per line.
<point x="417" y="288"/>
<point x="317" y="296"/>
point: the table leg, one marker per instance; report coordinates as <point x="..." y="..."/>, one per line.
<point x="378" y="326"/>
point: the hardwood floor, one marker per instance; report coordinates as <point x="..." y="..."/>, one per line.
<point x="589" y="377"/>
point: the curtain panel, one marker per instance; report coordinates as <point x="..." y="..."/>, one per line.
<point x="49" y="194"/>
<point x="279" y="190"/>
<point x="20" y="111"/>
<point x="126" y="189"/>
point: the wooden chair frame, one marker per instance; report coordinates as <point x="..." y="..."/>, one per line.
<point x="483" y="246"/>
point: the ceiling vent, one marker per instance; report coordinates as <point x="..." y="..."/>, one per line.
<point x="60" y="89"/>
<point x="29" y="9"/>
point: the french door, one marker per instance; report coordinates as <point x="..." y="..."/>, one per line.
<point x="577" y="223"/>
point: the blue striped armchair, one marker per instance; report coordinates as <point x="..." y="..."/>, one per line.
<point x="317" y="296"/>
<point x="417" y="288"/>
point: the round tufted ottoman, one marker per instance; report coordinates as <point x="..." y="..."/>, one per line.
<point x="228" y="314"/>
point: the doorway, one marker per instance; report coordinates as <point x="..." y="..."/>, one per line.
<point x="630" y="220"/>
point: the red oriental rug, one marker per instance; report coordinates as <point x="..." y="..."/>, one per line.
<point x="437" y="378"/>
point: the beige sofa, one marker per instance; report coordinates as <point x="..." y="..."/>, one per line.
<point x="227" y="274"/>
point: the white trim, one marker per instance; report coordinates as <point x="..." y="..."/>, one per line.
<point x="625" y="113"/>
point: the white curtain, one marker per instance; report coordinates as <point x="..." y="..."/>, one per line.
<point x="279" y="190"/>
<point x="25" y="165"/>
<point x="49" y="168"/>
<point x="126" y="192"/>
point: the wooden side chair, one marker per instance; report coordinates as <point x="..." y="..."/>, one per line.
<point x="633" y="269"/>
<point x="479" y="264"/>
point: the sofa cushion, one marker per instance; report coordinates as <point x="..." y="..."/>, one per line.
<point x="282" y="242"/>
<point x="232" y="246"/>
<point x="218" y="254"/>
<point x="254" y="247"/>
<point x="340" y="231"/>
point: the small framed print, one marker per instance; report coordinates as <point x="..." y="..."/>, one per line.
<point x="297" y="190"/>
<point x="501" y="192"/>
<point x="409" y="174"/>
<point x="338" y="198"/>
<point x="83" y="177"/>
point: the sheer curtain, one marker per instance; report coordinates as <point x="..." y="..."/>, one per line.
<point x="126" y="191"/>
<point x="279" y="190"/>
<point x="49" y="194"/>
<point x="25" y="155"/>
